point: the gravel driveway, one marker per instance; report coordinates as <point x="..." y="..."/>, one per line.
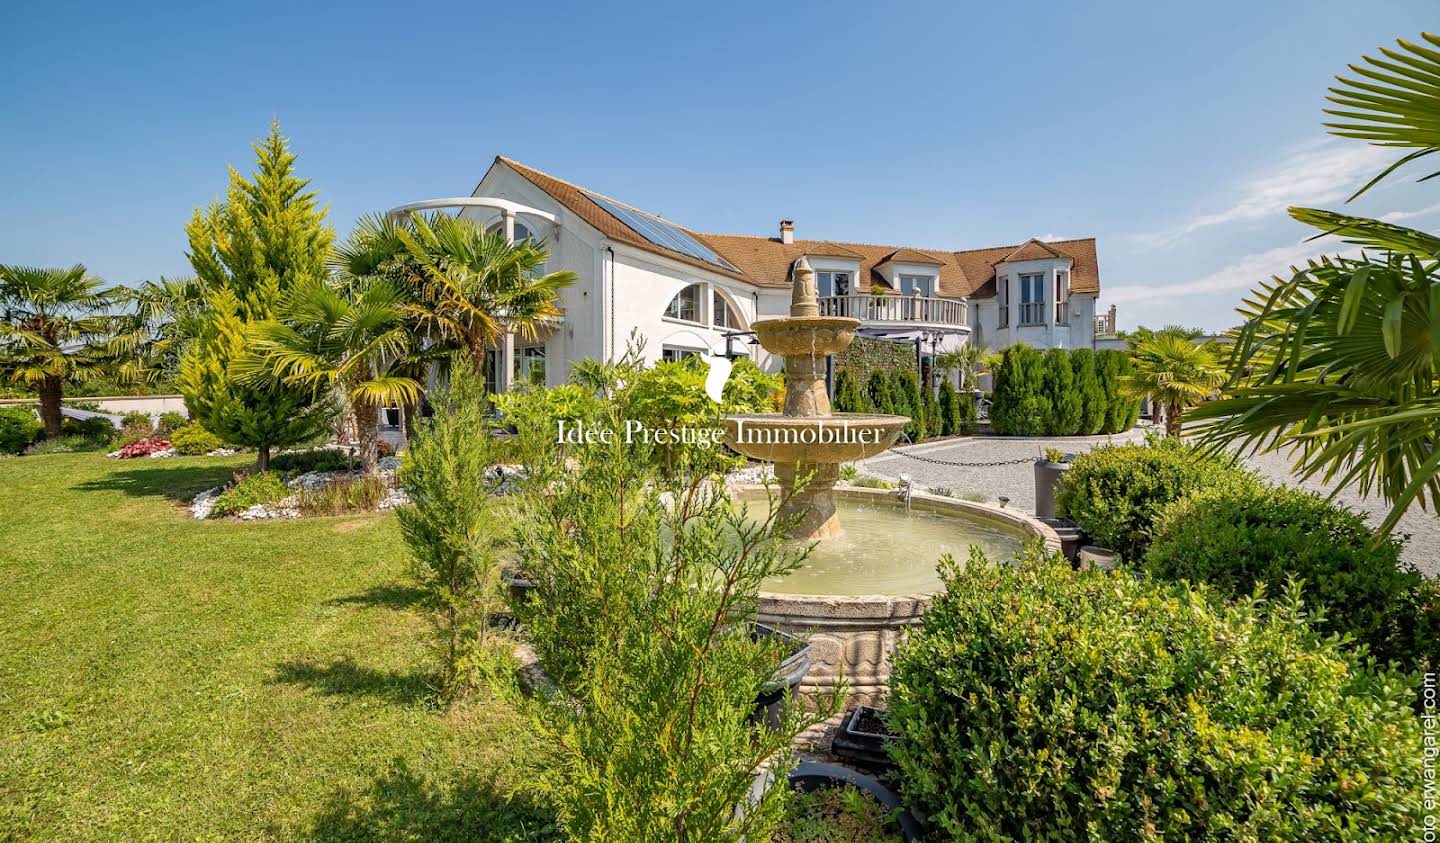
<point x="1016" y="480"/>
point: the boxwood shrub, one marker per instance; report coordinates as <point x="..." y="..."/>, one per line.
<point x="192" y="440"/>
<point x="1238" y="537"/>
<point x="1115" y="493"/>
<point x="1041" y="703"/>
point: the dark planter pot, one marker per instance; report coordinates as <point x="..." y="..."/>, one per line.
<point x="770" y="702"/>
<point x="1071" y="537"/>
<point x="1047" y="478"/>
<point x="864" y="740"/>
<point x="1097" y="557"/>
<point x="811" y="776"/>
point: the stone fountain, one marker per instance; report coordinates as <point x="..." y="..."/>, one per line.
<point x="807" y="442"/>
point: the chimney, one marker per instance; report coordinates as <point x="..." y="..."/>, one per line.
<point x="787" y="231"/>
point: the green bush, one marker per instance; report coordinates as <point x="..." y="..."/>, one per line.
<point x="877" y="393"/>
<point x="136" y="425"/>
<point x="1020" y="406"/>
<point x="969" y="414"/>
<point x="18" y="428"/>
<point x="930" y="410"/>
<point x="1058" y="382"/>
<point x="948" y="409"/>
<point x="170" y="422"/>
<point x="1041" y="703"/>
<point x="68" y="445"/>
<point x="1117" y="492"/>
<point x="847" y="393"/>
<point x="1121" y="412"/>
<point x="314" y="459"/>
<point x="1094" y="403"/>
<point x="96" y="427"/>
<point x="749" y="387"/>
<point x="1236" y="538"/>
<point x="246" y="491"/>
<point x="905" y="395"/>
<point x="192" y="440"/>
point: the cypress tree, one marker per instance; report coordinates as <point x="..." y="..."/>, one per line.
<point x="1120" y="412"/>
<point x="969" y="414"/>
<point x="847" y="393"/>
<point x="1058" y="383"/>
<point x="877" y="391"/>
<point x="931" y="413"/>
<point x="1020" y="406"/>
<point x="266" y="237"/>
<point x="949" y="410"/>
<point x="905" y="396"/>
<point x="1093" y="401"/>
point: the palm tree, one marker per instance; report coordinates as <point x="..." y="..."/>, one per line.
<point x="163" y="318"/>
<point x="475" y="287"/>
<point x="1339" y="365"/>
<point x="1174" y="373"/>
<point x="968" y="360"/>
<point x="52" y="329"/>
<point x="353" y="343"/>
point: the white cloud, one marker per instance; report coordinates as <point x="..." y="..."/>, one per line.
<point x="1312" y="174"/>
<point x="1051" y="238"/>
<point x="1397" y="216"/>
<point x="1244" y="274"/>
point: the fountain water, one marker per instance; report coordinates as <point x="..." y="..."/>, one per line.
<point x="807" y="442"/>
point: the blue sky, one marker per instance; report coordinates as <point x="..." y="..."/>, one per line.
<point x="1174" y="133"/>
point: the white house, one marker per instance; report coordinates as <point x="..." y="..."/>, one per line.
<point x="686" y="292"/>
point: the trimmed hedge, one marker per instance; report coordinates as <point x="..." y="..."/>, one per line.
<point x="1040" y="703"/>
<point x="1239" y="537"/>
<point x="1061" y="393"/>
<point x="1117" y="492"/>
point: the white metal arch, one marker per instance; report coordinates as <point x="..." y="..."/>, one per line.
<point x="507" y="209"/>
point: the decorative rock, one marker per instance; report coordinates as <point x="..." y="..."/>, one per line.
<point x="168" y="452"/>
<point x="223" y="452"/>
<point x="202" y="504"/>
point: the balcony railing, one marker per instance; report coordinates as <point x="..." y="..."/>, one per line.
<point x="1105" y="323"/>
<point x="918" y="309"/>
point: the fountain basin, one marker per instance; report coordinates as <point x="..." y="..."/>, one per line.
<point x="805" y="336"/>
<point x="836" y="438"/>
<point x="856" y="634"/>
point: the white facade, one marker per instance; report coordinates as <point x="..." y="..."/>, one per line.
<point x="625" y="290"/>
<point x="1059" y="319"/>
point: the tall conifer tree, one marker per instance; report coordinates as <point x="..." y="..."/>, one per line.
<point x="268" y="236"/>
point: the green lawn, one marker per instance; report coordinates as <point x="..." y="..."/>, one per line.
<point x="162" y="678"/>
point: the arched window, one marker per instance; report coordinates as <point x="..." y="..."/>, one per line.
<point x="685" y="305"/>
<point x="522" y="231"/>
<point x="722" y="315"/>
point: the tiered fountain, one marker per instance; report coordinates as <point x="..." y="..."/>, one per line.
<point x="862" y="587"/>
<point x="808" y="442"/>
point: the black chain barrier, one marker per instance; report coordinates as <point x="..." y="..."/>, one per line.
<point x="956" y="464"/>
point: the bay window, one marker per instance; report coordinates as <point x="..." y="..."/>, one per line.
<point x="1032" y="298"/>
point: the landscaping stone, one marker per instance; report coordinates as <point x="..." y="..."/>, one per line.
<point x="205" y="501"/>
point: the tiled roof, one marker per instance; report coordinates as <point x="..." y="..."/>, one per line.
<point x="907" y="255"/>
<point x="573" y="198"/>
<point x="1032" y="250"/>
<point x="766" y="262"/>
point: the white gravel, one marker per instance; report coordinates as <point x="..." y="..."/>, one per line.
<point x="1017" y="481"/>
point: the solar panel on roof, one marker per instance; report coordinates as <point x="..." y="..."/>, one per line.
<point x="661" y="233"/>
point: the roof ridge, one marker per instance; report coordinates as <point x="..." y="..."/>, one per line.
<point x="935" y="252"/>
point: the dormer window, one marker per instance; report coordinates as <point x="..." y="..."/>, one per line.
<point x="686" y="305"/>
<point x="832" y="283"/>
<point x="917" y="285"/>
<point x="1032" y="298"/>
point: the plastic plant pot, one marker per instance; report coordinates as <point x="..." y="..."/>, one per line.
<point x="864" y="740"/>
<point x="770" y="702"/>
<point x="1047" y="479"/>
<point x="810" y="776"/>
<point x="1071" y="537"/>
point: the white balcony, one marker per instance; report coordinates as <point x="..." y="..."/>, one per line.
<point x="900" y="313"/>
